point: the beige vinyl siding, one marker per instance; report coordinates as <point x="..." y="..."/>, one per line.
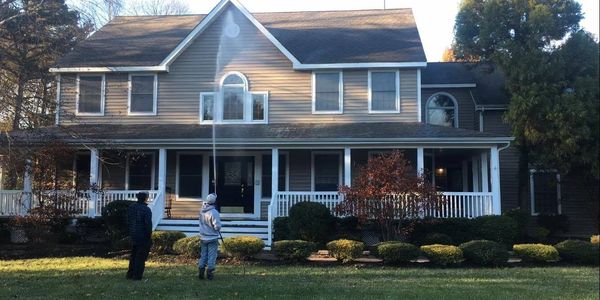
<point x="466" y="106"/>
<point x="265" y="67"/>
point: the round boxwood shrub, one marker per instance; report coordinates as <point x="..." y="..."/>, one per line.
<point x="437" y="238"/>
<point x="374" y="248"/>
<point x="579" y="252"/>
<point x="162" y="241"/>
<point x="443" y="254"/>
<point x="595" y="239"/>
<point x="114" y="215"/>
<point x="188" y="247"/>
<point x="536" y="252"/>
<point x="501" y="229"/>
<point x="293" y="249"/>
<point x="310" y="221"/>
<point x="242" y="247"/>
<point x="484" y="253"/>
<point x="395" y="253"/>
<point x="345" y="250"/>
<point x="281" y="228"/>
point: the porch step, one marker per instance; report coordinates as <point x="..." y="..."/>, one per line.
<point x="230" y="228"/>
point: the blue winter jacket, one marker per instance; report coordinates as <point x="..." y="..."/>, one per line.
<point x="139" y="222"/>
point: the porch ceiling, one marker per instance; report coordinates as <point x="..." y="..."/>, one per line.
<point x="256" y="134"/>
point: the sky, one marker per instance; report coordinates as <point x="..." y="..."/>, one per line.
<point x="435" y="18"/>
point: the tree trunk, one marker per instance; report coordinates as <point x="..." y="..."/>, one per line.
<point x="18" y="105"/>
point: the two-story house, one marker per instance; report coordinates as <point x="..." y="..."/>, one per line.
<point x="286" y="105"/>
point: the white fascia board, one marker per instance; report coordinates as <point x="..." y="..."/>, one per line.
<point x="442" y="86"/>
<point x="300" y="66"/>
<point x="209" y="19"/>
<point x="109" y="69"/>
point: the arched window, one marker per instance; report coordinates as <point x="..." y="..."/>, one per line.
<point x="233" y="87"/>
<point x="235" y="103"/>
<point x="442" y="109"/>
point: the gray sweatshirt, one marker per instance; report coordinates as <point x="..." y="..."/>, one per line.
<point x="210" y="222"/>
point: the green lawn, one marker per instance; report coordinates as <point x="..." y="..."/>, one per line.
<point x="96" y="278"/>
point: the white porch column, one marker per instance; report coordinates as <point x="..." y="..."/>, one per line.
<point x="420" y="161"/>
<point x="162" y="171"/>
<point x="465" y="175"/>
<point x="93" y="183"/>
<point x="27" y="187"/>
<point x="484" y="173"/>
<point x="347" y="166"/>
<point x="495" y="172"/>
<point x="274" y="172"/>
<point x="475" y="171"/>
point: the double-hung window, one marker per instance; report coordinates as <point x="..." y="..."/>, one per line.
<point x="234" y="103"/>
<point x="328" y="93"/>
<point x="142" y="94"/>
<point x="327" y="171"/>
<point x="140" y="171"/>
<point x="545" y="192"/>
<point x="90" y="94"/>
<point x="384" y="92"/>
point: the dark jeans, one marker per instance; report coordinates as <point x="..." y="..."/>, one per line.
<point x="137" y="260"/>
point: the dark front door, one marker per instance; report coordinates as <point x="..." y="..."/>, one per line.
<point x="235" y="184"/>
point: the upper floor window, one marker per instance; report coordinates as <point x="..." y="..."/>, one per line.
<point x="90" y="94"/>
<point x="442" y="110"/>
<point x="328" y="93"/>
<point x="235" y="103"/>
<point x="384" y="91"/>
<point x="142" y="94"/>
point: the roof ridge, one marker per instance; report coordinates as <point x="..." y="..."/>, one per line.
<point x="335" y="10"/>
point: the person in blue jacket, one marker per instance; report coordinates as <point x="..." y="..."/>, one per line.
<point x="139" y="223"/>
<point x="210" y="224"/>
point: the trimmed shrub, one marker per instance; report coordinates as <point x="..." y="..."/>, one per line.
<point x="536" y="252"/>
<point x="122" y="243"/>
<point x="554" y="223"/>
<point x="281" y="228"/>
<point x="459" y="229"/>
<point x="501" y="229"/>
<point x="579" y="252"/>
<point x="395" y="253"/>
<point x="374" y="248"/>
<point x="443" y="254"/>
<point x="188" y="247"/>
<point x="437" y="238"/>
<point x="114" y="215"/>
<point x="162" y="241"/>
<point x="595" y="239"/>
<point x="310" y="221"/>
<point x="484" y="253"/>
<point x="293" y="249"/>
<point x="522" y="218"/>
<point x="242" y="247"/>
<point x="345" y="250"/>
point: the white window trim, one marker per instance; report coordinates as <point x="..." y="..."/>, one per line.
<point x="266" y="108"/>
<point x="202" y="121"/>
<point x="455" y="107"/>
<point x="397" y="81"/>
<point x="340" y="92"/>
<point x="204" y="181"/>
<point x="532" y="191"/>
<point x="102" y="95"/>
<point x="312" y="167"/>
<point x="153" y="178"/>
<point x="154" y="95"/>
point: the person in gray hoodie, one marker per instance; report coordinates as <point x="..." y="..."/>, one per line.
<point x="210" y="224"/>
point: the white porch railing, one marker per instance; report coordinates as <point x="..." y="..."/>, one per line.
<point x="11" y="201"/>
<point x="453" y="205"/>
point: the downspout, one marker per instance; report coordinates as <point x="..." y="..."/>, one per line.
<point x="57" y="108"/>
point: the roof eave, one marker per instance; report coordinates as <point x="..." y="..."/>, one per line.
<point x="301" y="66"/>
<point x="109" y="69"/>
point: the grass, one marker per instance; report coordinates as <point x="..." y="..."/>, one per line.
<point x="97" y="278"/>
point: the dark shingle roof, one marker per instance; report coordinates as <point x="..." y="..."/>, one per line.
<point x="131" y="41"/>
<point x="312" y="37"/>
<point x="489" y="79"/>
<point x="446" y="73"/>
<point x="358" y="36"/>
<point x="251" y="133"/>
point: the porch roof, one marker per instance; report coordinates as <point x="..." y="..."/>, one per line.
<point x="291" y="134"/>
